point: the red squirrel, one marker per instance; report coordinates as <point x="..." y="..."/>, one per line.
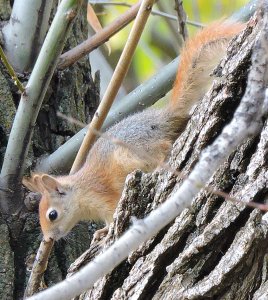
<point x="93" y="192"/>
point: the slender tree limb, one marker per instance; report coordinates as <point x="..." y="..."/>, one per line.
<point x="154" y="12"/>
<point x="116" y="81"/>
<point x="143" y="96"/>
<point x="73" y="55"/>
<point x="33" y="96"/>
<point x="95" y="24"/>
<point x="39" y="267"/>
<point x="247" y="122"/>
<point x="11" y="71"/>
<point x="30" y="103"/>
<point x="181" y="19"/>
<point x="25" y="32"/>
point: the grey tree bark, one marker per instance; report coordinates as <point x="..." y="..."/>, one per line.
<point x="73" y="92"/>
<point x="215" y="249"/>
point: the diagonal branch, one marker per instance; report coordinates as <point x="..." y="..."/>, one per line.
<point x="25" y="32"/>
<point x="115" y="83"/>
<point x="31" y="100"/>
<point x="11" y="71"/>
<point x="118" y="76"/>
<point x="73" y="55"/>
<point x="142" y="97"/>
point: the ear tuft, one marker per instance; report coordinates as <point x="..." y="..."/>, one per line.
<point x="50" y="183"/>
<point x="33" y="183"/>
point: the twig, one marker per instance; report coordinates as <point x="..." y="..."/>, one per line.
<point x="142" y="97"/>
<point x="172" y="27"/>
<point x="116" y="80"/>
<point x="95" y="24"/>
<point x="11" y="71"/>
<point x="73" y="55"/>
<point x="181" y="19"/>
<point x="28" y="110"/>
<point x="70" y="57"/>
<point x="154" y="12"/>
<point x="39" y="267"/>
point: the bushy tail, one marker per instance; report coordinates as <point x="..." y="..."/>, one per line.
<point x="199" y="57"/>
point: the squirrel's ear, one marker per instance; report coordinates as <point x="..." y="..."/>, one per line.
<point x="33" y="183"/>
<point x="50" y="183"/>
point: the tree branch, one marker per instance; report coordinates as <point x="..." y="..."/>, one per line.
<point x="25" y="32"/>
<point x="115" y="83"/>
<point x="11" y="71"/>
<point x="31" y="100"/>
<point x="73" y="55"/>
<point x="39" y="267"/>
<point x="142" y="97"/>
<point x="181" y="19"/>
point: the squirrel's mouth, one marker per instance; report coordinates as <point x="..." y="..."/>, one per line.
<point x="54" y="235"/>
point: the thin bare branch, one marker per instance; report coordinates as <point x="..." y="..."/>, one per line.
<point x="73" y="55"/>
<point x="154" y="12"/>
<point x="27" y="113"/>
<point x="11" y="71"/>
<point x="39" y="267"/>
<point x="182" y="17"/>
<point x="116" y="81"/>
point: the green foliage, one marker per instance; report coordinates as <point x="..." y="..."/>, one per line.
<point x="160" y="42"/>
<point x="207" y="10"/>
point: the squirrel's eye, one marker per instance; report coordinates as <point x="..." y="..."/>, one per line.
<point x="53" y="215"/>
<point x="61" y="193"/>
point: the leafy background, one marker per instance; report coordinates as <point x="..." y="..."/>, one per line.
<point x="160" y="42"/>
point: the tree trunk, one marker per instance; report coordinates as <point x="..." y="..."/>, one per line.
<point x="72" y="92"/>
<point x="215" y="249"/>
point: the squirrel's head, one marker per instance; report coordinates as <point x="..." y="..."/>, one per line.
<point x="57" y="211"/>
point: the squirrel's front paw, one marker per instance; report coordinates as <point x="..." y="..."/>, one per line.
<point x="99" y="234"/>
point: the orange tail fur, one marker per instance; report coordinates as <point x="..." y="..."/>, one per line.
<point x="199" y="57"/>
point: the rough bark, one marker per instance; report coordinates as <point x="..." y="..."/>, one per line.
<point x="73" y="92"/>
<point x="215" y="249"/>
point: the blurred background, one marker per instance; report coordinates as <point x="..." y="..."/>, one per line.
<point x="160" y="42"/>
